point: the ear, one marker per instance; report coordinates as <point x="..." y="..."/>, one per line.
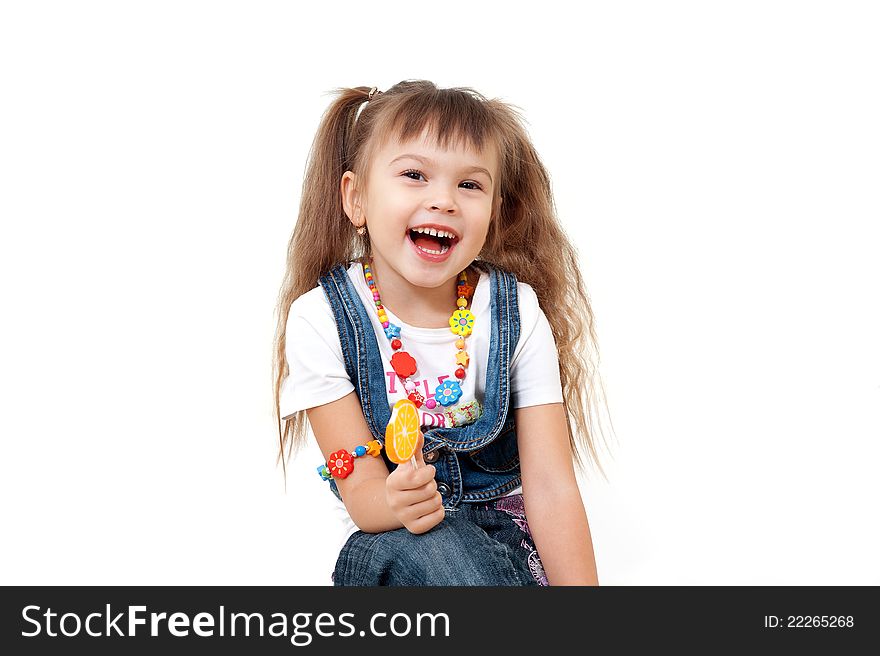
<point x="350" y="197"/>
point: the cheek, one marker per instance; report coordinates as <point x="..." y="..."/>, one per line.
<point x="486" y="215"/>
<point x="390" y="212"/>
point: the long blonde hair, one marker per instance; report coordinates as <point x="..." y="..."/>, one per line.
<point x="525" y="237"/>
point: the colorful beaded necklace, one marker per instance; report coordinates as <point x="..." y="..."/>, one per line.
<point x="461" y="323"/>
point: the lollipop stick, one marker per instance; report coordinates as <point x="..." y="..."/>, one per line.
<point x="419" y="444"/>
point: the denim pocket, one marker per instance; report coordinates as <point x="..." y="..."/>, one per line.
<point x="500" y="455"/>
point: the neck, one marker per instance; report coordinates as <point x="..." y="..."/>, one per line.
<point x="422" y="307"/>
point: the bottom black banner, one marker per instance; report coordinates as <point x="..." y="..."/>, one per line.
<point x="279" y="619"/>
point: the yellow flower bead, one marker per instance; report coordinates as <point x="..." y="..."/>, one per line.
<point x="462" y="322"/>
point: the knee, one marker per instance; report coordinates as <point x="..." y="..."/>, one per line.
<point x="455" y="552"/>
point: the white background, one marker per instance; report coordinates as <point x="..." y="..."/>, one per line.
<point x="715" y="163"/>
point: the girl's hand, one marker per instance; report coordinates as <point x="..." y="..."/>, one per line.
<point x="411" y="494"/>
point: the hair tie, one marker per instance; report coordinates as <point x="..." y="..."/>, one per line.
<point x="373" y="91"/>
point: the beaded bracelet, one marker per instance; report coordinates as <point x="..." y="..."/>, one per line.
<point x="341" y="463"/>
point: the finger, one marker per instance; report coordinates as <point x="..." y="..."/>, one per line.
<point x="410" y="479"/>
<point x="427" y="506"/>
<point x="427" y="522"/>
<point x="417" y="495"/>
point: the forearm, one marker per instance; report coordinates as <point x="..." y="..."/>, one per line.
<point x="559" y="527"/>
<point x="369" y="509"/>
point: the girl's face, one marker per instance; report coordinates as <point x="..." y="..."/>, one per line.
<point x="416" y="184"/>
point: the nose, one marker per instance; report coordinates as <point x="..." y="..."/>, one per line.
<point x="442" y="201"/>
<point x="448" y="208"/>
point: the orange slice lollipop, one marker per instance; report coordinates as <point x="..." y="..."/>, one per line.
<point x="402" y="433"/>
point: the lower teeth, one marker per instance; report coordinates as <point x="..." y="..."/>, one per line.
<point x="442" y="250"/>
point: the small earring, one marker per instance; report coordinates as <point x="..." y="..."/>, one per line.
<point x="362" y="230"/>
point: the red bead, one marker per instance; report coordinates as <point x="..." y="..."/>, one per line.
<point x="395" y="344"/>
<point x="404" y="364"/>
<point x="459" y="373"/>
<point x="340" y="464"/>
<point x="416" y="398"/>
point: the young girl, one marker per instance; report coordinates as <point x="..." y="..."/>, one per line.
<point x="432" y="297"/>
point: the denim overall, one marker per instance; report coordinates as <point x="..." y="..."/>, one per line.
<point x="484" y="539"/>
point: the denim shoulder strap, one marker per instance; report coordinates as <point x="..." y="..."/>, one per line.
<point x="360" y="350"/>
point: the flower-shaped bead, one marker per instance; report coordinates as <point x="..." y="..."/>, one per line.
<point x="462" y="322"/>
<point x="404" y="364"/>
<point x="340" y="463"/>
<point x="447" y="392"/>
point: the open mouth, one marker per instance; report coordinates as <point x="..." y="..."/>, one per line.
<point x="433" y="244"/>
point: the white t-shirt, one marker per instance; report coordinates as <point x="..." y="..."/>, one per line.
<point x="317" y="369"/>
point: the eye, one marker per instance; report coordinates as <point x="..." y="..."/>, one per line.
<point x="476" y="185"/>
<point x="417" y="172"/>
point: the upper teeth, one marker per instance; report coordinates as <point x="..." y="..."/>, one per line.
<point x="435" y="232"/>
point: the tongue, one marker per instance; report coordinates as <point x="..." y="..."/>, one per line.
<point x="427" y="242"/>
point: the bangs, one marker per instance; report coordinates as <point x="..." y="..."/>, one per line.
<point x="450" y="118"/>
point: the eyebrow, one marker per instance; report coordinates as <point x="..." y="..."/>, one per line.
<point x="430" y="162"/>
